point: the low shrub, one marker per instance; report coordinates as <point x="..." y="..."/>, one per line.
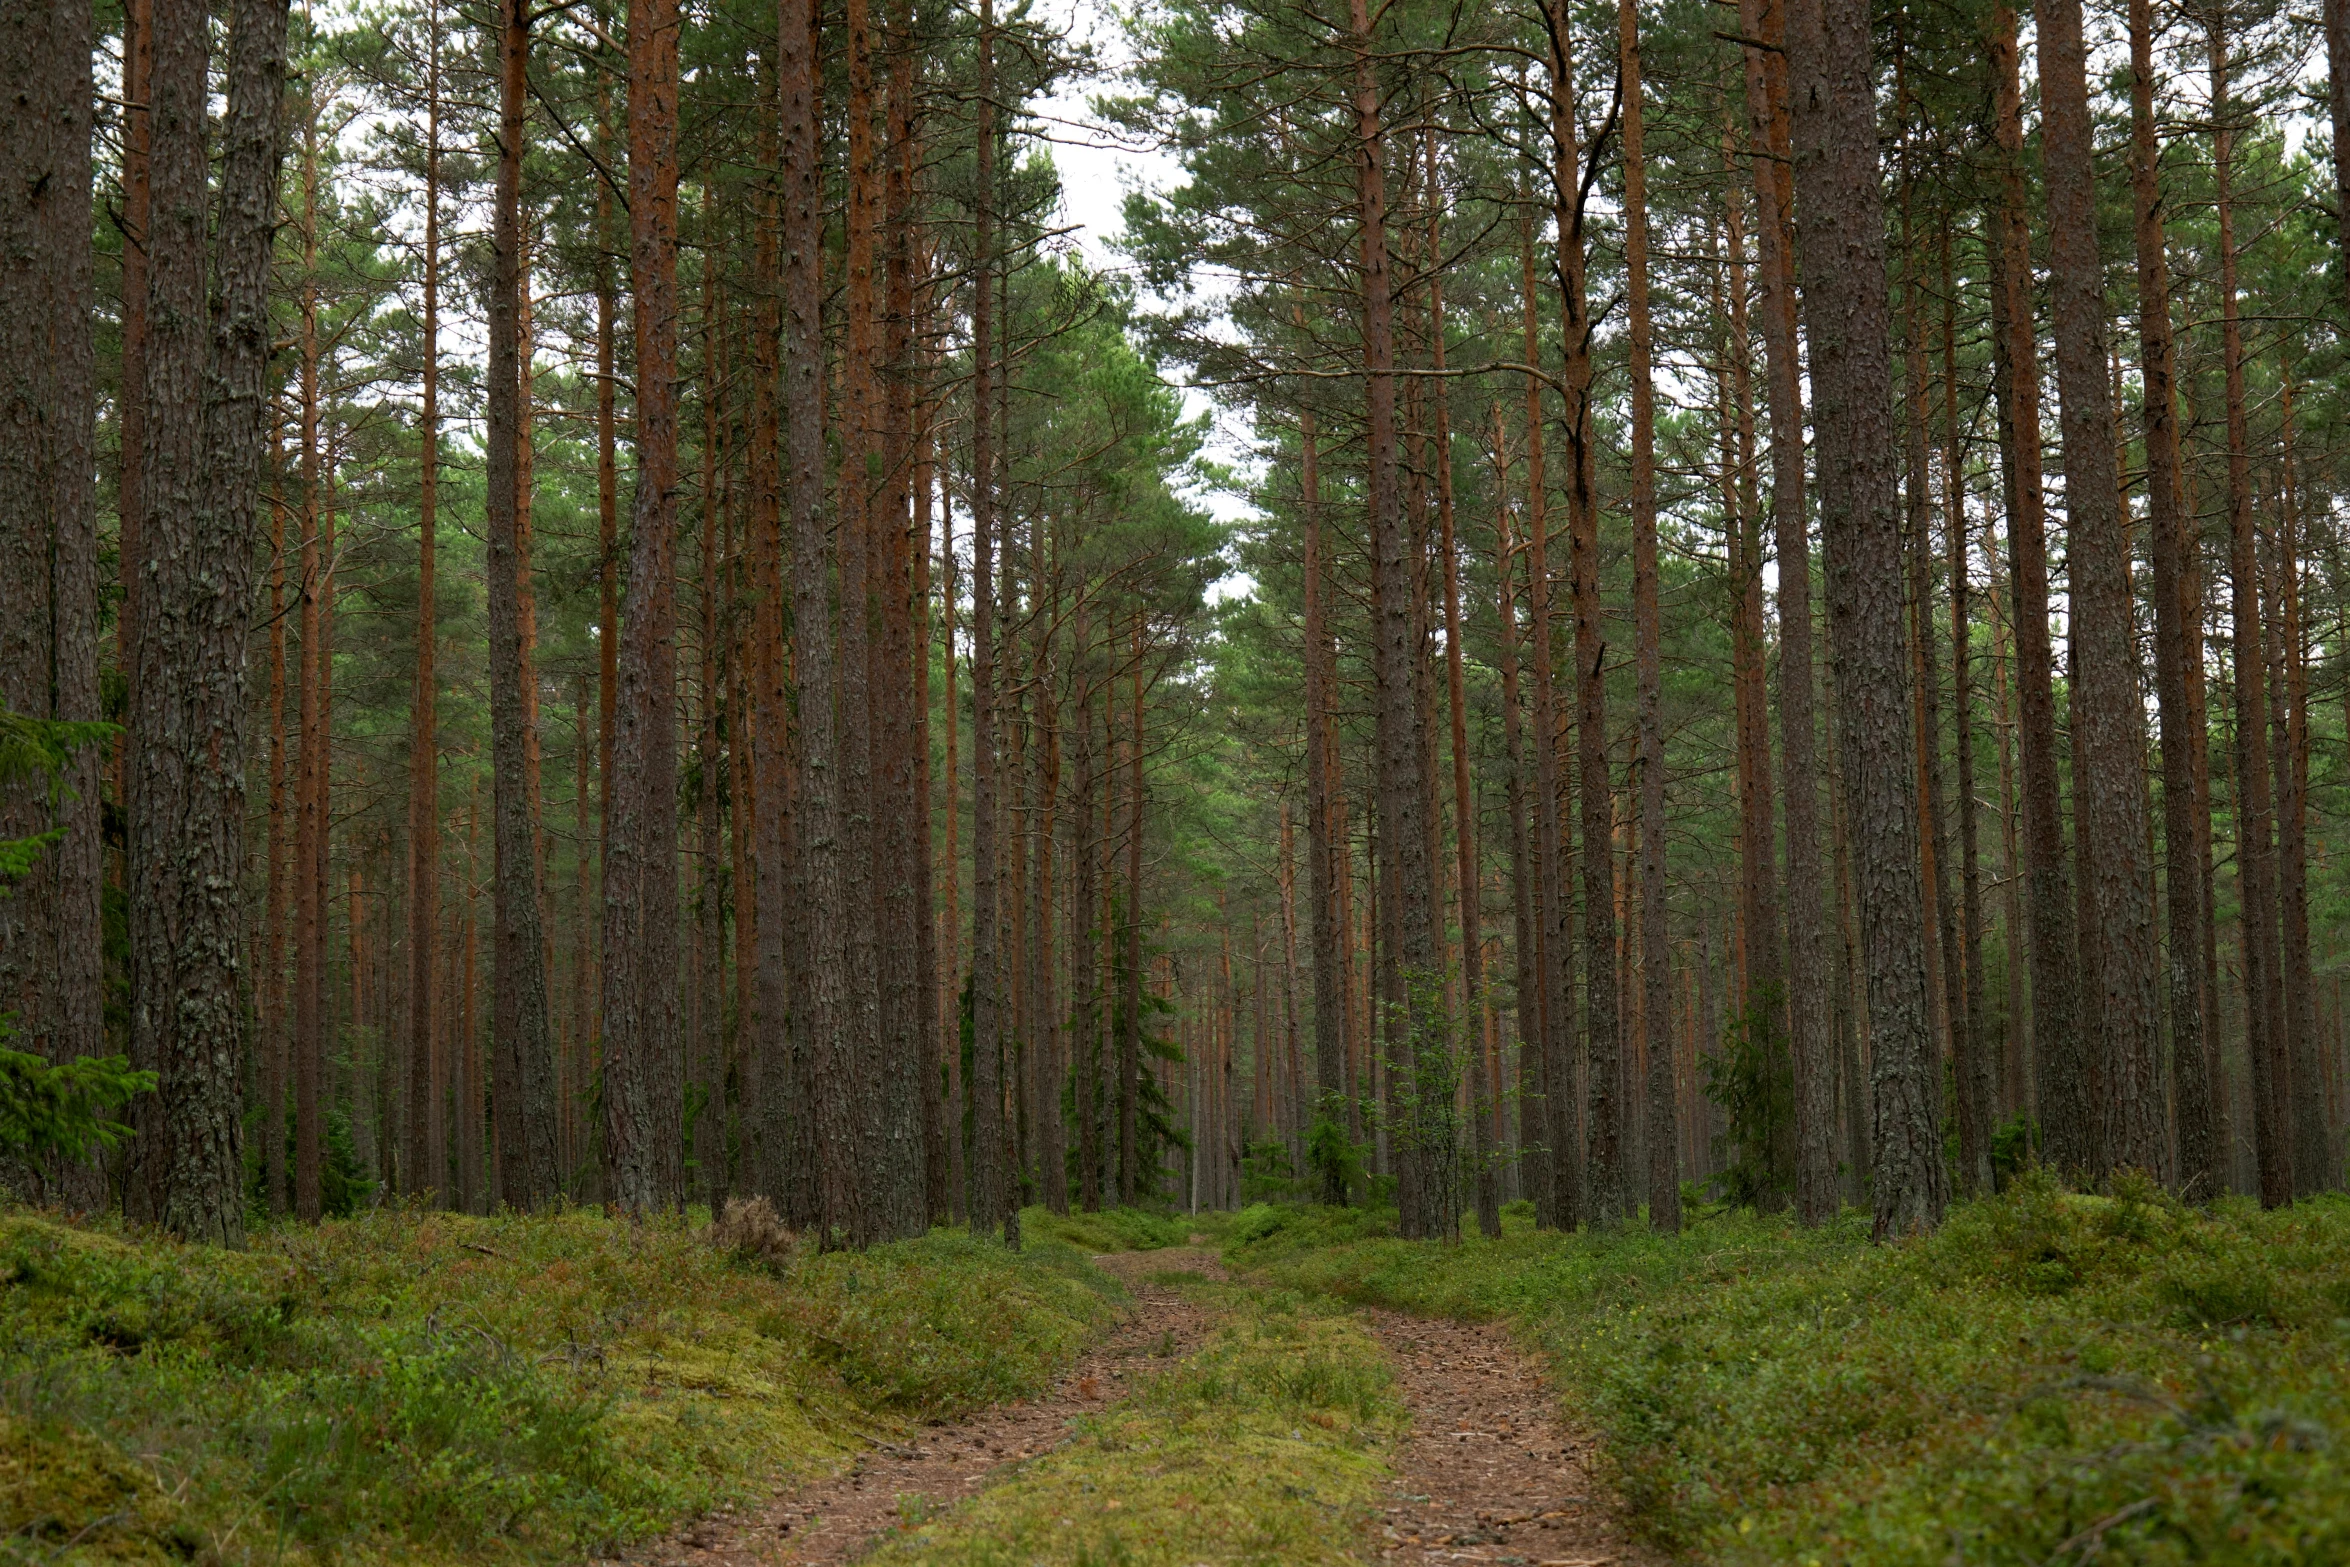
<point x="2052" y="1377"/>
<point x="433" y="1387"/>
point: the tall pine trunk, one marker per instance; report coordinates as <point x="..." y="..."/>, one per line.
<point x="1842" y="248"/>
<point x="2265" y="1034"/>
<point x="2201" y="1168"/>
<point x="992" y="1200"/>
<point x="522" y="1058"/>
<point x="1656" y="959"/>
<point x="206" y="439"/>
<point x="642" y="1154"/>
<point x="1603" y="1136"/>
<point x="2061" y="1086"/>
<point x="2108" y="712"/>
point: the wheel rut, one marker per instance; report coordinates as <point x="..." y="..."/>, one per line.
<point x="1488" y="1471"/>
<point x="838" y="1518"/>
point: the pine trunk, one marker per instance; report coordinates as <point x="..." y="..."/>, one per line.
<point x="1842" y="249"/>
<point x="2108" y="704"/>
<point x="642" y="1153"/>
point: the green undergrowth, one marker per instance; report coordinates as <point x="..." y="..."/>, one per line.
<point x="1264" y="1446"/>
<point x="413" y="1387"/>
<point x="1125" y="1229"/>
<point x="2053" y="1378"/>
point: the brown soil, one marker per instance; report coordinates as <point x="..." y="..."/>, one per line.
<point x="837" y="1518"/>
<point x="1489" y="1473"/>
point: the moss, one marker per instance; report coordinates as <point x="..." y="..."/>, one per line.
<point x="424" y="1387"/>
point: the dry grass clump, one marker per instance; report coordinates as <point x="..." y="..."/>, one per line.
<point x="750" y="1229"/>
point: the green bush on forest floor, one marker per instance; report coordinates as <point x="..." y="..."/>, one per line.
<point x="404" y="1386"/>
<point x="2052" y="1378"/>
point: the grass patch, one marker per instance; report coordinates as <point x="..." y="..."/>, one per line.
<point x="1262" y="1447"/>
<point x="437" y="1387"/>
<point x="2052" y="1378"/>
<point x="1124" y="1229"/>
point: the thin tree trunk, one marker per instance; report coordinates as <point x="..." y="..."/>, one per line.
<point x="2201" y="1169"/>
<point x="902" y="828"/>
<point x="2265" y="1035"/>
<point x="1560" y="1202"/>
<point x="1323" y="786"/>
<point x="852" y="1178"/>
<point x="809" y="1092"/>
<point x="1533" y="1164"/>
<point x="1656" y="961"/>
<point x="1130" y="1111"/>
<point x="1972" y="1064"/>
<point x="1412" y="964"/>
<point x="1603" y="1032"/>
<point x="2315" y="1168"/>
<point x="310" y="802"/>
<point x="1085" y="942"/>
<point x="2061" y="1087"/>
<point x="522" y="1096"/>
<point x="138" y="66"/>
<point x="424" y="772"/>
<point x="708" y="1138"/>
<point x="270" y="982"/>
<point x="991" y="1201"/>
<point x="1487" y="1191"/>
<point x="1808" y="985"/>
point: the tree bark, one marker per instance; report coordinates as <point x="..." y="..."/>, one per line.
<point x="1322" y="787"/>
<point x="205" y="443"/>
<point x="1602" y="1027"/>
<point x="2061" y="1086"/>
<point x="1412" y="965"/>
<point x="424" y="771"/>
<point x="2265" y="1036"/>
<point x="50" y="947"/>
<point x="643" y="1156"/>
<point x="522" y="1059"/>
<point x="992" y="1203"/>
<point x="2201" y="1170"/>
<point x="1842" y="247"/>
<point x="1972" y="1064"/>
<point x="310" y="801"/>
<point x="853" y="1174"/>
<point x="1656" y="958"/>
<point x="1560" y="1203"/>
<point x="1130" y="1110"/>
<point x="2315" y="1169"/>
<point x="1533" y="1164"/>
<point x="1808" y="982"/>
<point x="2109" y="728"/>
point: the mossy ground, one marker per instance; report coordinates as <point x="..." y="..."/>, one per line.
<point x="418" y="1387"/>
<point x="2053" y="1377"/>
<point x="1264" y="1446"/>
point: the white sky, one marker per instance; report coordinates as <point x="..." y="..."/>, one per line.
<point x="1098" y="168"/>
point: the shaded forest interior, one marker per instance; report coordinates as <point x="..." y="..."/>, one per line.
<point x="1608" y="609"/>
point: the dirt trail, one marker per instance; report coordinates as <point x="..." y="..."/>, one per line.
<point x="1488" y="1473"/>
<point x="836" y="1519"/>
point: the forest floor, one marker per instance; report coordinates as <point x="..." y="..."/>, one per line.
<point x="1430" y="1442"/>
<point x="2053" y="1378"/>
